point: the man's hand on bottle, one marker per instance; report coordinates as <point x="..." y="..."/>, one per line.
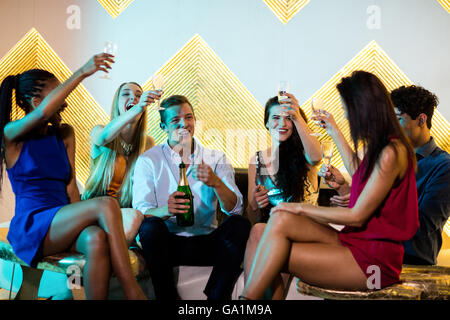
<point x="177" y="205"/>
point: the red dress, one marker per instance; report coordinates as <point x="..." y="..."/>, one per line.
<point x="379" y="242"/>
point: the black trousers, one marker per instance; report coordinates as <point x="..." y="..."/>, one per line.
<point x="223" y="249"/>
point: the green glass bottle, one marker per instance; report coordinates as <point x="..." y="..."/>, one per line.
<point x="186" y="219"/>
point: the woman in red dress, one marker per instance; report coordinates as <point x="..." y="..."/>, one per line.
<point x="368" y="252"/>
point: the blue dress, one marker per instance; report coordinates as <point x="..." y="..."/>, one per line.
<point x="38" y="179"/>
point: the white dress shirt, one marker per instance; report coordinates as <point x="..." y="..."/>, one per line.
<point x="156" y="176"/>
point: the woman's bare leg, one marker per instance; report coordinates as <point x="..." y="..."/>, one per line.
<point x="276" y="290"/>
<point x="285" y="235"/>
<point x="132" y="220"/>
<point x="72" y="219"/>
<point x="252" y="243"/>
<point x="93" y="243"/>
<point x="326" y="266"/>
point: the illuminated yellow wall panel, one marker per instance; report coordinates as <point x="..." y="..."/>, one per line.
<point x="115" y="7"/>
<point x="445" y="4"/>
<point x="32" y="51"/>
<point x="285" y="10"/>
<point x="228" y="116"/>
<point x="372" y="59"/>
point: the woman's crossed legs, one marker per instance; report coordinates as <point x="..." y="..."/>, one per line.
<point x="305" y="248"/>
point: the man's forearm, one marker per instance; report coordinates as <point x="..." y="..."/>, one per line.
<point x="161" y="212"/>
<point x="227" y="198"/>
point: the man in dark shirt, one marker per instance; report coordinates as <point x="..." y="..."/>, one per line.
<point x="414" y="107"/>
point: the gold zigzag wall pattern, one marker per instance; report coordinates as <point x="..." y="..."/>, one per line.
<point x="32" y="51"/>
<point x="445" y="4"/>
<point x="372" y="59"/>
<point x="285" y="10"/>
<point x="228" y="116"/>
<point x="115" y="7"/>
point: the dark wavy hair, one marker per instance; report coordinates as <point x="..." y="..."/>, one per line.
<point x="292" y="174"/>
<point x="414" y="100"/>
<point x="26" y="86"/>
<point x="371" y="116"/>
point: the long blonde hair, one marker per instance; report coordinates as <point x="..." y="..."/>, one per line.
<point x="102" y="168"/>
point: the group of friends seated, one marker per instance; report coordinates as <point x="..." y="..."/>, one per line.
<point x="393" y="212"/>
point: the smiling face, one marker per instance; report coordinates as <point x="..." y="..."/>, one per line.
<point x="179" y="124"/>
<point x="279" y="124"/>
<point x="128" y="96"/>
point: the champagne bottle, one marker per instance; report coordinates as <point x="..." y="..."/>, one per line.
<point x="185" y="219"/>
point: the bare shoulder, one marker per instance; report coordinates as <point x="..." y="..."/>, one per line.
<point x="252" y="160"/>
<point x="149" y="142"/>
<point x="394" y="156"/>
<point x="67" y="132"/>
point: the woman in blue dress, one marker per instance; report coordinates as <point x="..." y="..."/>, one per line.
<point x="39" y="155"/>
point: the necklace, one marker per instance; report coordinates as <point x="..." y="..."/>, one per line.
<point x="127" y="147"/>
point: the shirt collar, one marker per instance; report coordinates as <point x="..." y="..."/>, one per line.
<point x="195" y="157"/>
<point x="427" y="148"/>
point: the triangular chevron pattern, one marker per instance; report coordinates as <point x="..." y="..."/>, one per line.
<point x="115" y="7"/>
<point x="445" y="4"/>
<point x="372" y="59"/>
<point x="228" y="116"/>
<point x="285" y="10"/>
<point x="32" y="51"/>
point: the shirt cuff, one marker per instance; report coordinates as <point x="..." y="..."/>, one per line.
<point x="237" y="208"/>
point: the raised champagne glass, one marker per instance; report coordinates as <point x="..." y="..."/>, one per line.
<point x="158" y="85"/>
<point x="283" y="88"/>
<point x="109" y="47"/>
<point x="316" y="107"/>
<point x="327" y="152"/>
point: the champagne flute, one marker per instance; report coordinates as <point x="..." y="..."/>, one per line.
<point x="327" y="148"/>
<point x="316" y="106"/>
<point x="109" y="47"/>
<point x="283" y="88"/>
<point x="158" y="85"/>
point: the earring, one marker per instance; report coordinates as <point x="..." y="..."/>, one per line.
<point x="421" y="121"/>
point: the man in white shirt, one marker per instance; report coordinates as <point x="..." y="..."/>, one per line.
<point x="211" y="179"/>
